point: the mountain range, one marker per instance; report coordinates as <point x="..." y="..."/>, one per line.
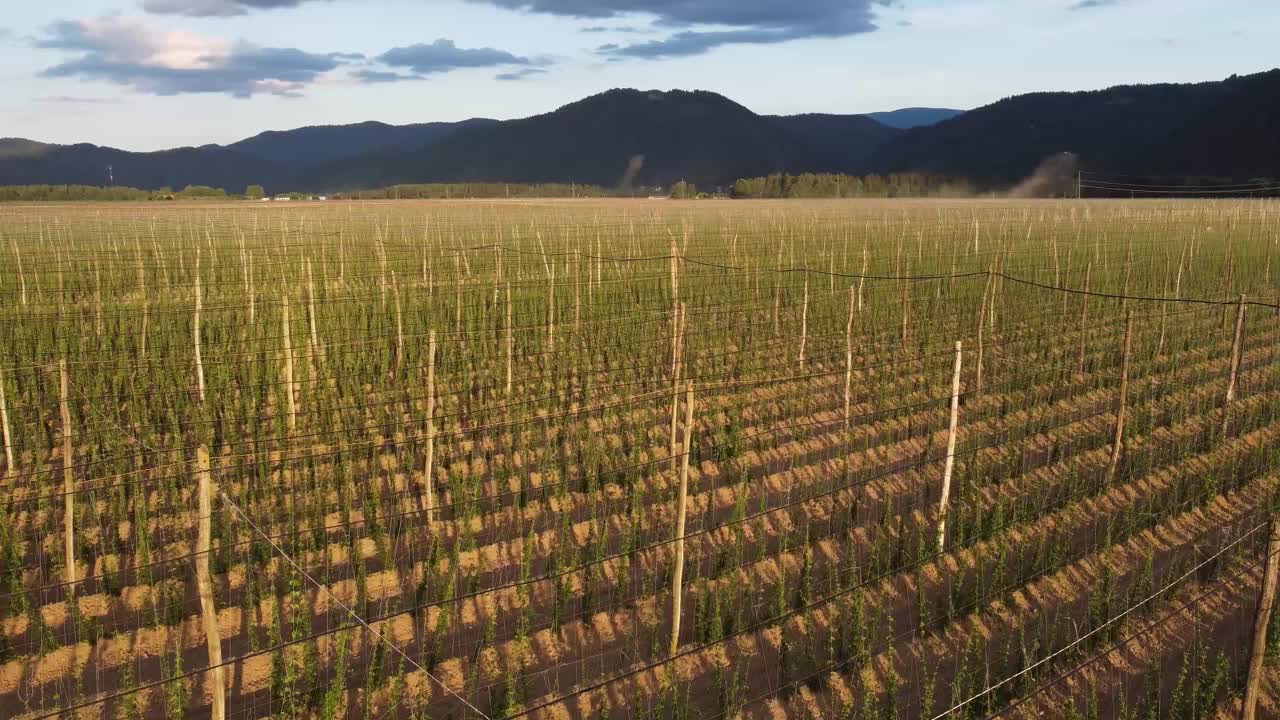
<point x="1228" y="128"/>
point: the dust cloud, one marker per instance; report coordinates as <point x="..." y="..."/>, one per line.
<point x="1054" y="177"/>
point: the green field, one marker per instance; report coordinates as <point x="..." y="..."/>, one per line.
<point x="493" y="530"/>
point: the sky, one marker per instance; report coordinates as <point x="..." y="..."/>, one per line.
<point x="152" y="74"/>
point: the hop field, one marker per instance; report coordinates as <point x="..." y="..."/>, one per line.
<point x="629" y="459"/>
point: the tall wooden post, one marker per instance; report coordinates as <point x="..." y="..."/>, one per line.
<point x="4" y="425"/>
<point x="677" y="365"/>
<point x="142" y="291"/>
<point x="311" y="310"/>
<point x="204" y="586"/>
<point x="677" y="578"/>
<point x="1236" y="343"/>
<point x="1122" y="403"/>
<point x="457" y="305"/>
<point x="68" y="486"/>
<point x="395" y="288"/>
<point x="195" y="332"/>
<point x="863" y="278"/>
<point x="982" y="317"/>
<point x="951" y="452"/>
<point x="431" y="426"/>
<point x="1235" y="350"/>
<point x="551" y="311"/>
<point x="1084" y="318"/>
<point x="1260" y="622"/>
<point x="288" y="367"/>
<point x="97" y="299"/>
<point x="905" y="303"/>
<point x="511" y="343"/>
<point x="252" y="294"/>
<point x="804" y="322"/>
<point x="777" y="305"/>
<point x="848" y="354"/>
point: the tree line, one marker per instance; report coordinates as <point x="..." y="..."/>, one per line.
<point x="432" y="191"/>
<point x="115" y="193"/>
<point x="486" y="190"/>
<point x="804" y="185"/>
<point x="839" y="185"/>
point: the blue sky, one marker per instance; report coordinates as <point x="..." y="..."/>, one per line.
<point x="148" y="74"/>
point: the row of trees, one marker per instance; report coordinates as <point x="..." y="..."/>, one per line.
<point x="91" y="193"/>
<point x="835" y="185"/>
<point x="447" y="191"/>
<point x="806" y="185"/>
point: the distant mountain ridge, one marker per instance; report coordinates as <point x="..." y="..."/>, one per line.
<point x="24" y="162"/>
<point x="1224" y="128"/>
<point x="907" y="118"/>
<point x="318" y="144"/>
<point x="626" y="137"/>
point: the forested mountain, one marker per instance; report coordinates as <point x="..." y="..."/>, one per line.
<point x="320" y="144"/>
<point x="906" y="118"/>
<point x="23" y="162"/>
<point x="1188" y="129"/>
<point x="619" y="137"/>
<point x="1238" y="137"/>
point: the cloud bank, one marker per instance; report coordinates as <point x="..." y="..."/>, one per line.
<point x="129" y="52"/>
<point x="215" y="8"/>
<point x="702" y="25"/>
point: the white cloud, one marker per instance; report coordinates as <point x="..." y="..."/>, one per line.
<point x="128" y="51"/>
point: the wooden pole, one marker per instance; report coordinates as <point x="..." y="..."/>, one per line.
<point x="848" y="354"/>
<point x="252" y="303"/>
<point x="951" y="452"/>
<point x="4" y="424"/>
<point x="1236" y="343"/>
<point x="204" y="585"/>
<point x="142" y="291"/>
<point x="982" y="317"/>
<point x="804" y="322"/>
<point x="395" y="288"/>
<point x="431" y="426"/>
<point x="551" y="310"/>
<point x="195" y="332"/>
<point x="68" y="486"/>
<point x="511" y="342"/>
<point x="1117" y="440"/>
<point x="1164" y="306"/>
<point x="677" y="366"/>
<point x="457" y="304"/>
<point x="1084" y="318"/>
<point x="22" y="278"/>
<point x="777" y="304"/>
<point x="906" y="306"/>
<point x="863" y="278"/>
<point x="1260" y="622"/>
<point x="311" y="309"/>
<point x="97" y="298"/>
<point x="677" y="578"/>
<point x="1235" y="349"/>
<point x="288" y="368"/>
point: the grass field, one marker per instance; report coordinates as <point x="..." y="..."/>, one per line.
<point x="493" y="529"/>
